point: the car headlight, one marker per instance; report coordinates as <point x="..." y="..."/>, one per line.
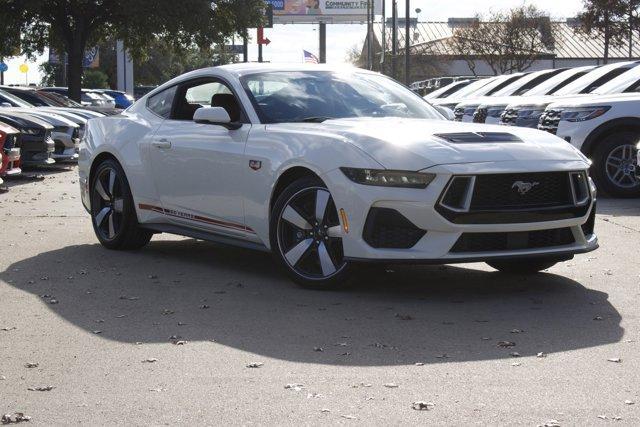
<point x="531" y="113"/>
<point x="389" y="178"/>
<point x="583" y="114"/>
<point x="495" y="111"/>
<point x="468" y="111"/>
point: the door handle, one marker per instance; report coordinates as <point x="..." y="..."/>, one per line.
<point x="162" y="143"/>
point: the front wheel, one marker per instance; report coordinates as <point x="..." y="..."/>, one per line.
<point x="306" y="236"/>
<point x="614" y="169"/>
<point x="112" y="211"/>
<point x="524" y="266"/>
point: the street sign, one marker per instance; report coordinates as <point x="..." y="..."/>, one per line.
<point x="3" y="67"/>
<point x="261" y="38"/>
<point x="236" y="49"/>
<point x="24" y="68"/>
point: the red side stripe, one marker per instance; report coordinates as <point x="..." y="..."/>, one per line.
<point x="197" y="218"/>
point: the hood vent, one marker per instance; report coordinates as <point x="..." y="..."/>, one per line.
<point x="478" y="137"/>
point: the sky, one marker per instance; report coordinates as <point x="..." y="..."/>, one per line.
<point x="288" y="41"/>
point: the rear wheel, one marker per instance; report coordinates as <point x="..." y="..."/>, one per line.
<point x="523" y="266"/>
<point x="112" y="211"/>
<point x="306" y="236"/>
<point x="615" y="169"/>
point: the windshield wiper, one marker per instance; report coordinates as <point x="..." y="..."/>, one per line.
<point x="315" y="119"/>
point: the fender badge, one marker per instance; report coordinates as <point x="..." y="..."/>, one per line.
<point x="255" y="164"/>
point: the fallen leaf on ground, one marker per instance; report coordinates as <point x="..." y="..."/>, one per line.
<point x="45" y="388"/>
<point x="506" y="344"/>
<point x="295" y="387"/>
<point x="422" y="406"/>
<point x="391" y="385"/>
<point x="255" y="365"/>
<point x="615" y="360"/>
<point x="150" y="360"/>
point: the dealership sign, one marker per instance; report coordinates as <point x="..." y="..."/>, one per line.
<point x="310" y="11"/>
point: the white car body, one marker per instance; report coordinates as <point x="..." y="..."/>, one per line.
<point x="590" y="84"/>
<point x="201" y="179"/>
<point x="621" y="113"/>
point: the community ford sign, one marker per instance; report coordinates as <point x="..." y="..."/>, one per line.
<point x="287" y="9"/>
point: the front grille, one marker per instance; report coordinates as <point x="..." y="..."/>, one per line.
<point x="59" y="147"/>
<point x="495" y="242"/>
<point x="459" y="114"/>
<point x="502" y="191"/>
<point x="515" y="198"/>
<point x="480" y="115"/>
<point x="509" y="117"/>
<point x="388" y="228"/>
<point x="549" y="121"/>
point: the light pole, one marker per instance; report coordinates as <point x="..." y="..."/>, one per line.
<point x="407" y="42"/>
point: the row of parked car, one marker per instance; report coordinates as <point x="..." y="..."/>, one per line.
<point x="39" y="127"/>
<point x="594" y="108"/>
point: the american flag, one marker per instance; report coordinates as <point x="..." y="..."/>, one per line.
<point x="309" y="58"/>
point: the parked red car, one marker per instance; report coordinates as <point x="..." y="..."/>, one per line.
<point x="9" y="151"/>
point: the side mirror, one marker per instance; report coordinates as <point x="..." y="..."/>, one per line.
<point x="215" y="116"/>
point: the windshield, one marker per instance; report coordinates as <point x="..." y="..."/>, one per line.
<point x="472" y="87"/>
<point x="14" y="100"/>
<point x="299" y="96"/>
<point x="621" y="83"/>
<point x="559" y="81"/>
<point x="527" y="82"/>
<point x="62" y="100"/>
<point x="447" y="90"/>
<point x="595" y="79"/>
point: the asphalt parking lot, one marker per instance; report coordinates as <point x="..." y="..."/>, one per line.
<point x="165" y="335"/>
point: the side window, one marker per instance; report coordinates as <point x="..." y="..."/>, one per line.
<point x="204" y="93"/>
<point x="160" y="103"/>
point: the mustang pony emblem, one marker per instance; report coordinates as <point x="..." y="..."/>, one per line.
<point x="524" y="187"/>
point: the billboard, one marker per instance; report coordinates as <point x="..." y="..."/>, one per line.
<point x="329" y="11"/>
<point x="91" y="57"/>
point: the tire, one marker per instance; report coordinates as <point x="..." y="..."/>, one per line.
<point x="614" y="166"/>
<point x="113" y="213"/>
<point x="310" y="253"/>
<point x="524" y="266"/>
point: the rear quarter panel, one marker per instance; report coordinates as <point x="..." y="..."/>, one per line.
<point x="125" y="137"/>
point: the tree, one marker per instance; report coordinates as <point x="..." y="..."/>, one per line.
<point x="73" y="25"/>
<point x="507" y="41"/>
<point x="610" y="19"/>
<point x="95" y="79"/>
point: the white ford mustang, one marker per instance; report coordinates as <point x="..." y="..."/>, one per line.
<point x="328" y="168"/>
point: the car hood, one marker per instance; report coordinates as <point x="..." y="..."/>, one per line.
<point x="416" y="144"/>
<point x="606" y="99"/>
<point x="543" y="100"/>
<point x="55" y="119"/>
<point x="23" y="121"/>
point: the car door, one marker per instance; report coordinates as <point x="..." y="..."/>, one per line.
<point x="198" y="167"/>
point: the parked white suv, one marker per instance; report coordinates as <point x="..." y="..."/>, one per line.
<point x="605" y="128"/>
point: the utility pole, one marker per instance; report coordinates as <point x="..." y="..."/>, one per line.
<point x="323" y="43"/>
<point x="260" y="37"/>
<point x="394" y="38"/>
<point x="369" y="47"/>
<point x="245" y="50"/>
<point x="407" y="43"/>
<point x="383" y="37"/>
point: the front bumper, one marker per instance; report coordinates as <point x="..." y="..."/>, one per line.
<point x="37" y="152"/>
<point x="12" y="167"/>
<point x="66" y="146"/>
<point x="437" y="244"/>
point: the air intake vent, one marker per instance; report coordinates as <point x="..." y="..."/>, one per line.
<point x="478" y="137"/>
